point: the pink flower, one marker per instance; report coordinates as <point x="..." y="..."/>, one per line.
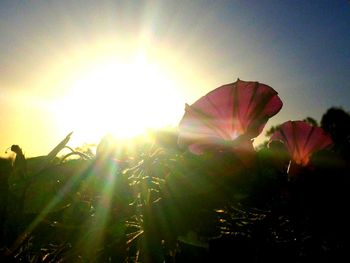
<point x="236" y="110"/>
<point x="302" y="140"/>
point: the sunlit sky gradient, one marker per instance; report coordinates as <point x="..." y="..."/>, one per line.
<point x="300" y="48"/>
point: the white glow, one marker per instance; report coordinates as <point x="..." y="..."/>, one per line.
<point x="124" y="98"/>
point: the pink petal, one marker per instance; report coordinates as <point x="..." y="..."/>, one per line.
<point x="228" y="112"/>
<point x="256" y="104"/>
<point x="302" y="140"/>
<point x="215" y="111"/>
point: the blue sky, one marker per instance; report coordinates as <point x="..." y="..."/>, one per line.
<point x="300" y="48"/>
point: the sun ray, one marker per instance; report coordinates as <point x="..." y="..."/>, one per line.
<point x="121" y="97"/>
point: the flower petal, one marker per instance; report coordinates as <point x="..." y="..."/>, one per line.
<point x="302" y="140"/>
<point x="227" y="112"/>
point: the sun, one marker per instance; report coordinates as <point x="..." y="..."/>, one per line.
<point x="120" y="97"/>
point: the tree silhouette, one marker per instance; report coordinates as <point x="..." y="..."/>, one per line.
<point x="336" y="122"/>
<point x="311" y="121"/>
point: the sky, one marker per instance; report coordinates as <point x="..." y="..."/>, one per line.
<point x="89" y="66"/>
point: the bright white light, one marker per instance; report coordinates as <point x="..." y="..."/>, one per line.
<point x="122" y="98"/>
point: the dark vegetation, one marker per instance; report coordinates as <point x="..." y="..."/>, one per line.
<point x="158" y="203"/>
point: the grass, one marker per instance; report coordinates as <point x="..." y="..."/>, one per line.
<point x="159" y="203"/>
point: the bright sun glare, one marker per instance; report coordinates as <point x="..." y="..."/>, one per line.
<point x="121" y="98"/>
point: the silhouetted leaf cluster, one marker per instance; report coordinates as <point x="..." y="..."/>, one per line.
<point x="162" y="204"/>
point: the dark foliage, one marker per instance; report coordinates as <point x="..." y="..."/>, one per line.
<point x="336" y="122"/>
<point x="162" y="204"/>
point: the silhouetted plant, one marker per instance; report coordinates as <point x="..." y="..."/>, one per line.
<point x="211" y="198"/>
<point x="336" y="122"/>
